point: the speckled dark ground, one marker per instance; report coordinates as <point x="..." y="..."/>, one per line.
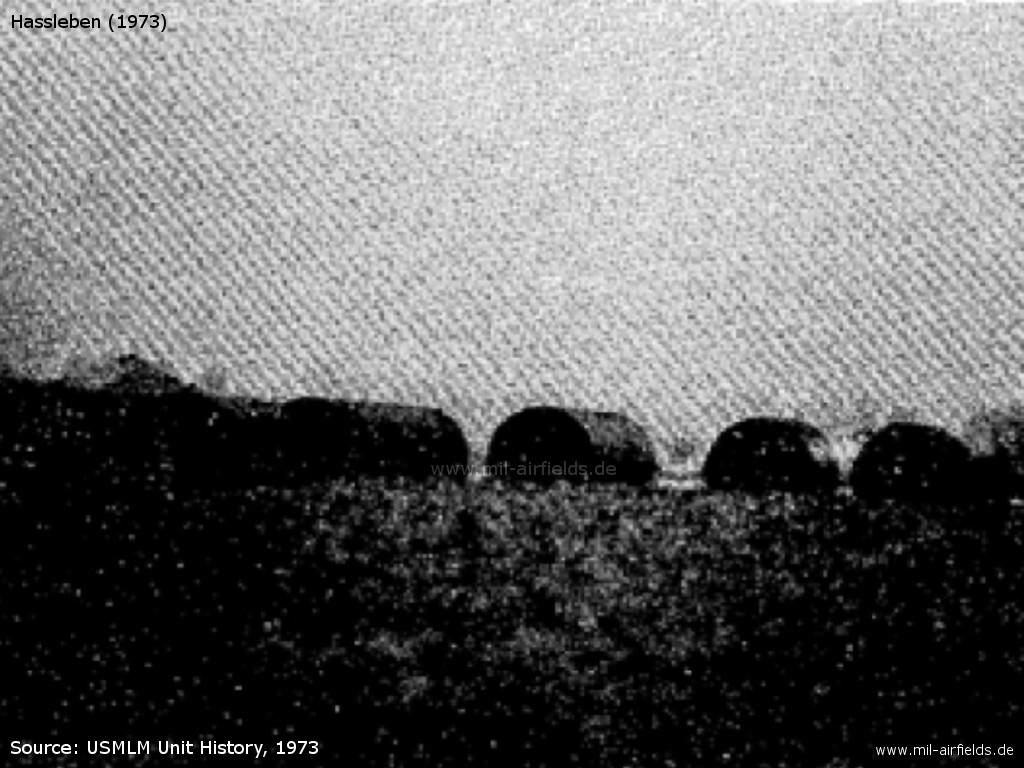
<point x="413" y="626"/>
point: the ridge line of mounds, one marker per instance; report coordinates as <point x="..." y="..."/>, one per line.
<point x="149" y="424"/>
<point x="901" y="461"/>
<point x="59" y="432"/>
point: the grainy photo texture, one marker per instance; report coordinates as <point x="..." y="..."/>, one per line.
<point x="525" y="383"/>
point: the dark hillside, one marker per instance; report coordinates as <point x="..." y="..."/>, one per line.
<point x="404" y="625"/>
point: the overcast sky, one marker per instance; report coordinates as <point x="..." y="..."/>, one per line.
<point x="690" y="215"/>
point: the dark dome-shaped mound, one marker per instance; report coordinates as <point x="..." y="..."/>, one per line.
<point x="905" y="461"/>
<point x="543" y="444"/>
<point x="395" y="440"/>
<point x="319" y="439"/>
<point x="760" y="455"/>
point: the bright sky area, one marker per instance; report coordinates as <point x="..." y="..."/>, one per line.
<point x="688" y="214"/>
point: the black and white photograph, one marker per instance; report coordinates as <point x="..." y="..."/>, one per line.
<point x="542" y="383"/>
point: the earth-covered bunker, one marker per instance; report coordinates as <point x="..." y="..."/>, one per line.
<point x="906" y="461"/>
<point x="544" y="444"/>
<point x="763" y="454"/>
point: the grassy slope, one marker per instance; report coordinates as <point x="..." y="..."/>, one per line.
<point x="451" y="626"/>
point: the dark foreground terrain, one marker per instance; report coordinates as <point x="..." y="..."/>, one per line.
<point x="406" y="625"/>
